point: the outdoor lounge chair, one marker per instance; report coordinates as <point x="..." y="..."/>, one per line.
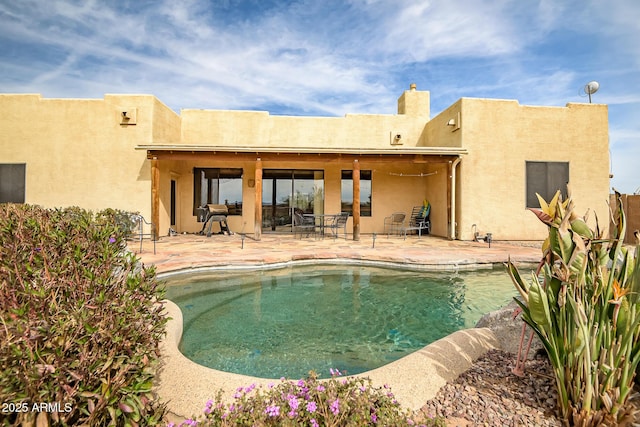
<point x="303" y="224"/>
<point x="338" y="222"/>
<point x="419" y="221"/>
<point x="394" y="223"/>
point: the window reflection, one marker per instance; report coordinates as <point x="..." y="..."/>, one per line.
<point x="346" y="192"/>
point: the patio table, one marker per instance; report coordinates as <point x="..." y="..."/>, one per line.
<point x="322" y="220"/>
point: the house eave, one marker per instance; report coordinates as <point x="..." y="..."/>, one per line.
<point x="396" y="151"/>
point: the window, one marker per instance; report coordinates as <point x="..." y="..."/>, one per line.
<point x="546" y="178"/>
<point x="287" y="190"/>
<point x="346" y="193"/>
<point x="12" y="183"/>
<point x="217" y="186"/>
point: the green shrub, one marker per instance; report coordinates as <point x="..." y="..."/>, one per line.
<point x="79" y="321"/>
<point x="584" y="308"/>
<point x="334" y="402"/>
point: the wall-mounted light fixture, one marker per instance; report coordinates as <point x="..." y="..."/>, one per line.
<point x="455" y="122"/>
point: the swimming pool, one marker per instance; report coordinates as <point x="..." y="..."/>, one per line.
<point x="286" y="322"/>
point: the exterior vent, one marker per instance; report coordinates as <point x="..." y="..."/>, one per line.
<point x="395" y="138"/>
<point x="128" y="116"/>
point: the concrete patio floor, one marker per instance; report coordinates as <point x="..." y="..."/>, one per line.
<point x="414" y="379"/>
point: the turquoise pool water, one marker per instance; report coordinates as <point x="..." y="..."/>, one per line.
<point x="286" y="322"/>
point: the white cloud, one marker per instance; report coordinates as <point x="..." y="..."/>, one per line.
<point x="331" y="57"/>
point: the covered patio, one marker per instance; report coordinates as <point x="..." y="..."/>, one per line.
<point x="377" y="182"/>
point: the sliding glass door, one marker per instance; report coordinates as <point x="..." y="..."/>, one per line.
<point x="286" y="190"/>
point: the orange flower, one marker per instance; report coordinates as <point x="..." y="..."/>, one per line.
<point x="618" y="293"/>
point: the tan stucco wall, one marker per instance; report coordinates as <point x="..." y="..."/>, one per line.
<point x="501" y="136"/>
<point x="260" y="129"/>
<point x="76" y="151"/>
<point x="249" y="129"/>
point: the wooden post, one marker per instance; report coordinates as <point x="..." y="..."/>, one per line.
<point x="257" y="226"/>
<point x="155" y="196"/>
<point x="450" y="226"/>
<point x="356" y="200"/>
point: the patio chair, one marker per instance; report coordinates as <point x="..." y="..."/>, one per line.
<point x="338" y="222"/>
<point x="303" y="224"/>
<point x="393" y="224"/>
<point x="142" y="228"/>
<point x="419" y="220"/>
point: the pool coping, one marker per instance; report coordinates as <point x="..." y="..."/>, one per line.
<point x="414" y="379"/>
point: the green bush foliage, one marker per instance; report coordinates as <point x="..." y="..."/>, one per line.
<point x="335" y="402"/>
<point x="79" y="321"/>
<point x="584" y="307"/>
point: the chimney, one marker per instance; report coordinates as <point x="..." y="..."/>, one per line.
<point x="415" y="103"/>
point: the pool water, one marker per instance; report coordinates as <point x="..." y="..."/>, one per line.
<point x="286" y="322"/>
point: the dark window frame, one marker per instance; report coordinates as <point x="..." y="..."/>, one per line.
<point x="545" y="178"/>
<point x="214" y="175"/>
<point x="347" y="205"/>
<point x="13" y="182"/>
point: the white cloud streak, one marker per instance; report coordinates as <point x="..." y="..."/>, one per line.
<point x="324" y="58"/>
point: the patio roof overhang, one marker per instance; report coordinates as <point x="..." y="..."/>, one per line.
<point x="410" y="154"/>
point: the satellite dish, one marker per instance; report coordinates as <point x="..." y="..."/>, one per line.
<point x="591" y="88"/>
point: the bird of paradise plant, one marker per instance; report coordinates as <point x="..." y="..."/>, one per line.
<point x="584" y="308"/>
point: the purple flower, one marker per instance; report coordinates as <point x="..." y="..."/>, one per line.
<point x="300" y="383"/>
<point x="273" y="410"/>
<point x="311" y="407"/>
<point x="335" y="407"/>
<point x="374" y="418"/>
<point x="320" y="388"/>
<point x="293" y="402"/>
<point x="207" y="409"/>
<point x="334" y="372"/>
<point x="112" y="239"/>
<point x="314" y="423"/>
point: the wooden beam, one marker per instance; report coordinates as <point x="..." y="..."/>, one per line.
<point x="155" y="195"/>
<point x="356" y="200"/>
<point x="278" y="158"/>
<point x="257" y="226"/>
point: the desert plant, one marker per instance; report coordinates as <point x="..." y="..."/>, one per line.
<point x="309" y="402"/>
<point x="583" y="307"/>
<point x="79" y="321"/>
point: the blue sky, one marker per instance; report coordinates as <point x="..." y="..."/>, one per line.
<point x="329" y="58"/>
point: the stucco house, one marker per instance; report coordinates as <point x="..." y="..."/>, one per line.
<point x="479" y="162"/>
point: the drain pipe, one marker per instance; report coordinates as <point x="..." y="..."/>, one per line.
<point x="452" y="232"/>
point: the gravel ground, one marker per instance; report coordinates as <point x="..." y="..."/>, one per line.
<point x="489" y="394"/>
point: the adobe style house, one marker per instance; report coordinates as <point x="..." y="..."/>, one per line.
<point x="479" y="162"/>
